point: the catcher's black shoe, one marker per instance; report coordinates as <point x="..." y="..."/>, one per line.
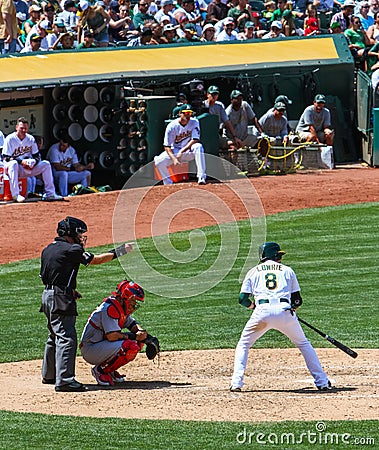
<point x="326" y="387"/>
<point x="74" y="386"/>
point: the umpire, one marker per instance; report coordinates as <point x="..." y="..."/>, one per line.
<point x="60" y="263"/>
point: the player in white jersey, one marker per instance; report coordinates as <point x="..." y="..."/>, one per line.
<point x="276" y="293"/>
<point x="22" y="159"/>
<point x="182" y="144"/>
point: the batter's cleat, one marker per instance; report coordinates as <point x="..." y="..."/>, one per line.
<point x="117" y="377"/>
<point x="104" y="379"/>
<point x="19" y="198"/>
<point x="74" y="386"/>
<point x="202" y="182"/>
<point x="326" y="387"/>
<point x="235" y="389"/>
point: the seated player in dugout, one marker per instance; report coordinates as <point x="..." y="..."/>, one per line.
<point x="103" y="342"/>
<point x="66" y="166"/>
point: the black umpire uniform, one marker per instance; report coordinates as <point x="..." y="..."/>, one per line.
<point x="60" y="262"/>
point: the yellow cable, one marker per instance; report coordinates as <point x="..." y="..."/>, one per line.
<point x="268" y="151"/>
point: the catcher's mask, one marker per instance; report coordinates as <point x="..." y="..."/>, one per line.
<point x="73" y="227"/>
<point x="130" y="292"/>
<point x="270" y="250"/>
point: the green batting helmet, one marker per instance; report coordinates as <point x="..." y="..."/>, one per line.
<point x="270" y="250"/>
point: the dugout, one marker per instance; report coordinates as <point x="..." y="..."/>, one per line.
<point x="113" y="102"/>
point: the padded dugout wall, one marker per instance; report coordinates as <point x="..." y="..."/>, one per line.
<point x="119" y="135"/>
<point x="141" y="131"/>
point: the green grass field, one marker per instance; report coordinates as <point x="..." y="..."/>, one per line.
<point x="332" y="250"/>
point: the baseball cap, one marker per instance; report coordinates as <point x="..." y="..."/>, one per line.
<point x="228" y="20"/>
<point x="35" y="37"/>
<point x="320" y="98"/>
<point x="21" y="16"/>
<point x="348" y="3"/>
<point x="279" y="106"/>
<point x="83" y="5"/>
<point x="277" y="24"/>
<point x="287" y="13"/>
<point x="185" y="108"/>
<point x="284" y="99"/>
<point x="335" y="25"/>
<point x="213" y="90"/>
<point x="164" y="18"/>
<point x="208" y="26"/>
<point x="167" y="2"/>
<point x="45" y="25"/>
<point x="58" y="22"/>
<point x="35" y="8"/>
<point x="249" y="25"/>
<point x="190" y="27"/>
<point x="169" y="27"/>
<point x="235" y="94"/>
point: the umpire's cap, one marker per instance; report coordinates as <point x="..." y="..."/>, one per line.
<point x="270" y="250"/>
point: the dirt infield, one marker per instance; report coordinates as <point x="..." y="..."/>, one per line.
<point x="193" y="385"/>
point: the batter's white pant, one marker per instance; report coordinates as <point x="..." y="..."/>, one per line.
<point x="14" y="170"/>
<point x="274" y="316"/>
<point x="63" y="178"/>
<point x="163" y="161"/>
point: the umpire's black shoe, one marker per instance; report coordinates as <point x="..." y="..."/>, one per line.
<point x="48" y="381"/>
<point x="74" y="386"/>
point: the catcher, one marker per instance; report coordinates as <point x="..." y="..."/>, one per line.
<point x="103" y="342"/>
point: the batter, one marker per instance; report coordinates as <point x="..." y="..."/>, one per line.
<point x="276" y="294"/>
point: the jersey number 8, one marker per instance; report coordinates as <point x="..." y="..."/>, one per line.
<point x="271" y="281"/>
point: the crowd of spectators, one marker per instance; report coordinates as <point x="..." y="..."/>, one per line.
<point x="42" y="26"/>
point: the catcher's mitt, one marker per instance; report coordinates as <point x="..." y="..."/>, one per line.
<point x="152" y="347"/>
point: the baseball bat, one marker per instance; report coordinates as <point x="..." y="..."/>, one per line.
<point x="333" y="341"/>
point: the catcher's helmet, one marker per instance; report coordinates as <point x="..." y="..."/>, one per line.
<point x="270" y="250"/>
<point x="130" y="292"/>
<point x="71" y="226"/>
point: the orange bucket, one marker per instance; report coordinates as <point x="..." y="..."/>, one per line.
<point x="22" y="185"/>
<point x="177" y="173"/>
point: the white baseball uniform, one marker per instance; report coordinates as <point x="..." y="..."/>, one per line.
<point x="271" y="284"/>
<point x="176" y="137"/>
<point x="67" y="158"/>
<point x="25" y="149"/>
